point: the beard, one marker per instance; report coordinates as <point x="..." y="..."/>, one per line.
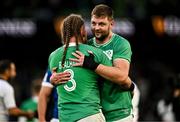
<point x="101" y="35"/>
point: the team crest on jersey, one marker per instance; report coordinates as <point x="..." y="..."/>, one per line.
<point x="109" y="54"/>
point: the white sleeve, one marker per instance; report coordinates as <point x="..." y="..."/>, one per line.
<point x="47" y="84"/>
<point x="9" y="99"/>
<point x="46" y="81"/>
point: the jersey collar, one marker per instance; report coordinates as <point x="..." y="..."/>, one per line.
<point x="103" y="45"/>
<point x="71" y="44"/>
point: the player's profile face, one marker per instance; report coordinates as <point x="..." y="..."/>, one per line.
<point x="100" y="26"/>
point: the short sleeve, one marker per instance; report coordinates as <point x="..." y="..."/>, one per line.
<point x="102" y="58"/>
<point x="9" y="99"/>
<point x="46" y="79"/>
<point x="122" y="49"/>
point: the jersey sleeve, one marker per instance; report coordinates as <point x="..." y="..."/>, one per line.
<point x="102" y="58"/>
<point x="9" y="99"/>
<point x="122" y="50"/>
<point x="46" y="79"/>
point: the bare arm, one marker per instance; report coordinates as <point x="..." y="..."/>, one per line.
<point x="42" y="104"/>
<point x="18" y="112"/>
<point x="117" y="74"/>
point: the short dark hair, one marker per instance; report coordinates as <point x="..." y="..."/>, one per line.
<point x="5" y="65"/>
<point x="102" y="10"/>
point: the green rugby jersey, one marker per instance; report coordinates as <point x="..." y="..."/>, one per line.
<point x="79" y="97"/>
<point x="116" y="103"/>
<point x="30" y="105"/>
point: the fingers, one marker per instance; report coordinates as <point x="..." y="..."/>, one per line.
<point x="60" y="78"/>
<point x="63" y="74"/>
<point x="90" y="52"/>
<point x="54" y="70"/>
<point x="76" y="55"/>
<point x="74" y="60"/>
<point x="63" y="80"/>
<point x="80" y="58"/>
<point x="77" y="64"/>
<point x="79" y="53"/>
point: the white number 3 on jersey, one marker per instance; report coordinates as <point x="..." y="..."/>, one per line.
<point x="73" y="87"/>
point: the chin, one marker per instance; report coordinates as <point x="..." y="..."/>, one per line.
<point x="100" y="39"/>
<point x="98" y="36"/>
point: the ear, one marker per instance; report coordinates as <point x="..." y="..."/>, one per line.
<point x="112" y="22"/>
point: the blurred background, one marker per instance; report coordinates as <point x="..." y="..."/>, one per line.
<point x="29" y="32"/>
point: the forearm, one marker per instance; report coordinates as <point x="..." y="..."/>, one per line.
<point x="42" y="106"/>
<point x="115" y="75"/>
<point x="17" y="112"/>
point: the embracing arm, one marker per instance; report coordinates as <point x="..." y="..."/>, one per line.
<point x="117" y="74"/>
<point x="18" y="112"/>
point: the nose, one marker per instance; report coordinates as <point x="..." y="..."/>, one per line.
<point x="96" y="27"/>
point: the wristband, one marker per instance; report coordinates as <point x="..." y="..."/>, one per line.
<point x="89" y="62"/>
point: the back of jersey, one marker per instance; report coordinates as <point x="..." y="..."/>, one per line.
<point x="79" y="97"/>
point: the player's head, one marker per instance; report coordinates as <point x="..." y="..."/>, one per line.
<point x="73" y="27"/>
<point x="101" y="21"/>
<point x="7" y="69"/>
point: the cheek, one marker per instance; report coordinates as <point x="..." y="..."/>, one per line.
<point x="92" y="27"/>
<point x="105" y="29"/>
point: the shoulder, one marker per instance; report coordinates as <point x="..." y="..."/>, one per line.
<point x="121" y="45"/>
<point x="55" y="52"/>
<point x="5" y="87"/>
<point x="100" y="56"/>
<point x="92" y="48"/>
<point x="5" y="84"/>
<point x="119" y="40"/>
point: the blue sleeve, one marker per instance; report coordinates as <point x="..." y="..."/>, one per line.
<point x="46" y="79"/>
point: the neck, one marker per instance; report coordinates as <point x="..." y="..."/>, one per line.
<point x="3" y="77"/>
<point x="107" y="39"/>
<point x="73" y="40"/>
